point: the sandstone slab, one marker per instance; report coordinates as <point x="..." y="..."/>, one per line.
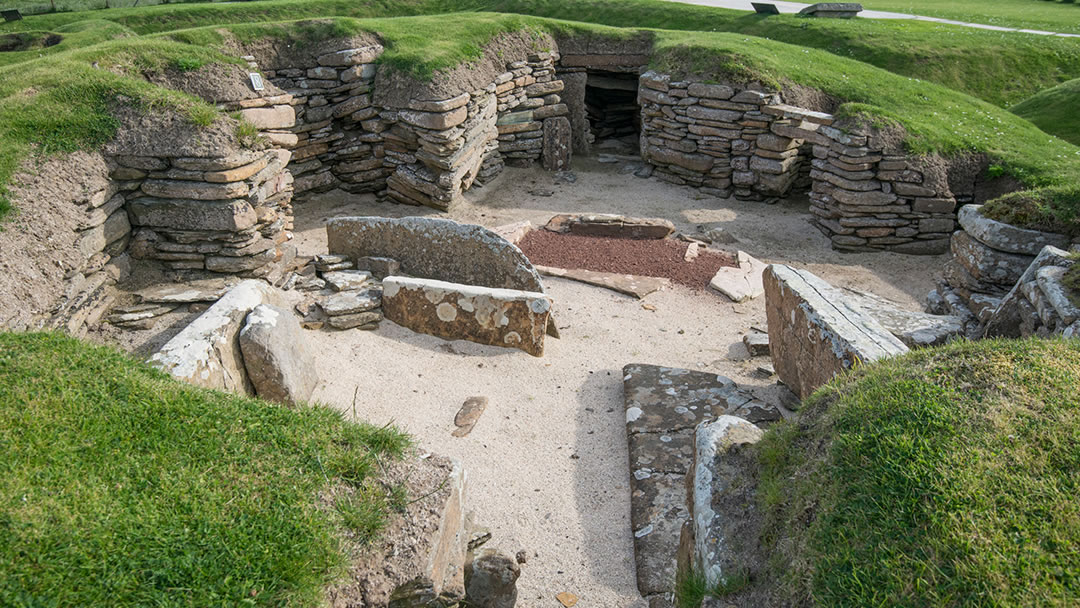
<point x="207" y="290"/>
<point x="1005" y="237"/>
<point x="434" y="248"/>
<point x="741" y="283"/>
<point x="815" y="333"/>
<point x="178" y="214"/>
<point x="277" y="357"/>
<point x="207" y="352"/>
<point x="631" y="285"/>
<point x="499" y="317"/>
<point x="611" y="226"/>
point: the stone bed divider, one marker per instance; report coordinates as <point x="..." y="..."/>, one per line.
<point x="499" y="317"/>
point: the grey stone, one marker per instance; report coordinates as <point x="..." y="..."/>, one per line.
<point x="914" y="329"/>
<point x="741" y="283"/>
<point x="207" y="290"/>
<point x="362" y="320"/>
<point x="491" y="580"/>
<point x="1049" y="279"/>
<point x="757" y="343"/>
<point x="207" y="352"/>
<point x="558" y="144"/>
<point x="723" y="500"/>
<point x="631" y="285"/>
<point x="435" y="248"/>
<point x="379" y="267"/>
<point x="351" y="302"/>
<point x="277" y="358"/>
<point x="178" y="214"/>
<point x="499" y="317"/>
<point x="468" y="416"/>
<point x="1005" y="237"/>
<point x="814" y="333"/>
<point x="611" y="226"/>
<point x="986" y="263"/>
<point x="346" y="280"/>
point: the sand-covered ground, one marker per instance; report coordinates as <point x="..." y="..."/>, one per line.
<point x="547" y="462"/>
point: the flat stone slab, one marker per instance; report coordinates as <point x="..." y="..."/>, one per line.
<point x="1006" y="237"/>
<point x="815" y="333"/>
<point x="663" y="407"/>
<point x="499" y="317"/>
<point x="346" y="280"/>
<point x="610" y="226"/>
<point x="839" y="10"/>
<point x="742" y="283"/>
<point x="207" y="352"/>
<point x="351" y="302"/>
<point x="277" y="358"/>
<point x="433" y="248"/>
<point x="631" y="285"/>
<point x="208" y="290"/>
<point x="914" y="329"/>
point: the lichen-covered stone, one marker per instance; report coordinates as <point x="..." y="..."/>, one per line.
<point x="814" y="333"/>
<point x="434" y="248"/>
<point x="277" y="358"/>
<point x="500" y="317"/>
<point x="1005" y="237"/>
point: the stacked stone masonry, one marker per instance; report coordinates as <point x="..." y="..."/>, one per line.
<point x="733" y="140"/>
<point x="426" y="152"/>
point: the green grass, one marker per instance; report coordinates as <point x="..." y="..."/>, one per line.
<point x="1055" y="110"/>
<point x="1003" y="68"/>
<point x="947" y="477"/>
<point x="1047" y="15"/>
<point x="1071" y="280"/>
<point x="122" y="487"/>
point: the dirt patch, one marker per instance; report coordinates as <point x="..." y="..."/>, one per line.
<point x="26" y="41"/>
<point x="401" y="551"/>
<point x="395" y="89"/>
<point x="215" y="83"/>
<point x="810" y="98"/>
<point x="38" y="241"/>
<point x="650" y="258"/>
<point x="282" y="53"/>
<point x="170" y="134"/>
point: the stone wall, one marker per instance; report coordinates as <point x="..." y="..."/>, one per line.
<point x="729" y="140"/>
<point x="529" y="98"/>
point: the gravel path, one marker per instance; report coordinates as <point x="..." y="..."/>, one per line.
<point x="547" y="461"/>
<point x="794" y="7"/>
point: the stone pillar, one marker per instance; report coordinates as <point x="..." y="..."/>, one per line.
<point x="557" y="144"/>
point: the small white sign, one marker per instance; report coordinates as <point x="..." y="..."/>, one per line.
<point x="256" y="81"/>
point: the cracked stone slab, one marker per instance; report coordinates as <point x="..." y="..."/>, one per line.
<point x="815" y="333"/>
<point x="628" y="284"/>
<point x="740" y="283"/>
<point x="663" y="407"/>
<point x="913" y="328"/>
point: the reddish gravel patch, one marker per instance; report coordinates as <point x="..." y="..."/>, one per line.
<point x="650" y="258"/>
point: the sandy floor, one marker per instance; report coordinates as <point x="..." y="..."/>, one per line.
<point x="547" y="462"/>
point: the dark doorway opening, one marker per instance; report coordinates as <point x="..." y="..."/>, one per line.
<point x="614" y="114"/>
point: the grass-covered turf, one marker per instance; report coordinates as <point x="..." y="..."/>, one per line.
<point x="938" y="120"/>
<point x="948" y="477"/>
<point x="122" y="487"/>
<point x="1045" y="15"/>
<point x="1055" y="110"/>
<point x="1003" y="68"/>
<point x="1071" y="280"/>
<point x="71" y="36"/>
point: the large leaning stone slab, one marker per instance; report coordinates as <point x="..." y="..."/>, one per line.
<point x="611" y="226"/>
<point x="815" y="333"/>
<point x="914" y="329"/>
<point x="723" y="497"/>
<point x="500" y="317"/>
<point x="177" y="214"/>
<point x="631" y="285"/>
<point x="1005" y="237"/>
<point x="433" y="248"/>
<point x="277" y="358"/>
<point x="206" y="290"/>
<point x="207" y="352"/>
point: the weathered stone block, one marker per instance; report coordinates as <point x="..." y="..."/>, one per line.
<point x="500" y="317"/>
<point x="207" y="352"/>
<point x="437" y="121"/>
<point x="558" y="141"/>
<point x="986" y="263"/>
<point x="199" y="191"/>
<point x="814" y="334"/>
<point x="277" y="358"/>
<point x="178" y="214"/>
<point x="275" y="117"/>
<point x="1005" y="237"/>
<point x="611" y="226"/>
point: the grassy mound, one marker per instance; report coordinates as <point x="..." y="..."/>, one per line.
<point x="947" y="477"/>
<point x="1048" y="15"/>
<point x="122" y="487"/>
<point x="1055" y="110"/>
<point x="1002" y="68"/>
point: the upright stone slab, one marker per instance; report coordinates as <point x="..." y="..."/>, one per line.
<point x="207" y="352"/>
<point x="558" y="142"/>
<point x="663" y="407"/>
<point x="433" y="248"/>
<point x="277" y="357"/>
<point x="814" y="333"/>
<point x="724" y="497"/>
<point x="499" y="317"/>
<point x="1007" y="321"/>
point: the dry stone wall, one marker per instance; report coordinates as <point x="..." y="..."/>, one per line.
<point x="733" y="140"/>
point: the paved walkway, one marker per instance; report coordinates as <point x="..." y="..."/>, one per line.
<point x="794" y="7"/>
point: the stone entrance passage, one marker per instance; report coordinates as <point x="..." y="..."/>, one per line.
<point x="612" y="109"/>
